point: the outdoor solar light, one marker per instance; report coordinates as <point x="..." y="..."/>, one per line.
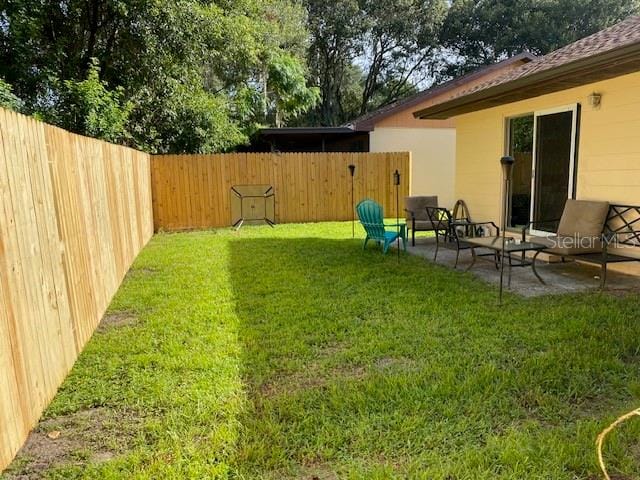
<point x="507" y="167"/>
<point x="396" y="182"/>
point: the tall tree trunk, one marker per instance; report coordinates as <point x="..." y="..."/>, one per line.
<point x="265" y="92"/>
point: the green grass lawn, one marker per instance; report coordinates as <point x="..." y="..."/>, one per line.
<point x="291" y="353"/>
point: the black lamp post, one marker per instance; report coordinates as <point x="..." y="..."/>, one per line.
<point x="507" y="169"/>
<point x="396" y="182"/>
<point x="352" y="171"/>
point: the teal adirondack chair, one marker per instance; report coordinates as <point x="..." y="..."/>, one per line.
<point x="372" y="219"/>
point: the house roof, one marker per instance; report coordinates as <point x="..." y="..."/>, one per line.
<point x="367" y="121"/>
<point x="606" y="54"/>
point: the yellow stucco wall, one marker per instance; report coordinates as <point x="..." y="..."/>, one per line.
<point x="433" y="152"/>
<point x="608" y="165"/>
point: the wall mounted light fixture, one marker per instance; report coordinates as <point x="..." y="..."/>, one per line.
<point x="595" y="99"/>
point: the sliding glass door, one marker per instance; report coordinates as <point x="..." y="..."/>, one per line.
<point x="548" y="165"/>
<point x="554" y="150"/>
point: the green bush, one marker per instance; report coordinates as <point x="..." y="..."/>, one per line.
<point x="8" y="99"/>
<point x="90" y="108"/>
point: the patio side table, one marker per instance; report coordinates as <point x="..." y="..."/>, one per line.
<point x="510" y="247"/>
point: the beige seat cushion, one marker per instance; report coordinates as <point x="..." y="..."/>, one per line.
<point x="569" y="245"/>
<point x="583" y="218"/>
<point x="418" y="205"/>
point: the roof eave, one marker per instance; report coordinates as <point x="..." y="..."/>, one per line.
<point x="603" y="66"/>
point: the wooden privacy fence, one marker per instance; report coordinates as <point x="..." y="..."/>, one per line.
<point x="194" y="191"/>
<point x="74" y="213"/>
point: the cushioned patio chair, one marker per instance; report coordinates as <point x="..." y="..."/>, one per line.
<point x="372" y="219"/>
<point x="580" y="234"/>
<point x="579" y="229"/>
<point x="416" y="214"/>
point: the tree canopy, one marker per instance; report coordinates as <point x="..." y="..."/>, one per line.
<point x="366" y="53"/>
<point x="203" y="75"/>
<point x="168" y="76"/>
<point x="481" y="32"/>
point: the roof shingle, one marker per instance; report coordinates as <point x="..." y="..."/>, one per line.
<point x="621" y="34"/>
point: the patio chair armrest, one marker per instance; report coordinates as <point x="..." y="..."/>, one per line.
<point x="476" y="224"/>
<point x="412" y="218"/>
<point x="483" y="223"/>
<point x="410" y="214"/>
<point x="399" y="226"/>
<point x="497" y="228"/>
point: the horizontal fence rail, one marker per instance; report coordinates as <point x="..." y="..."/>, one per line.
<point x="74" y="213"/>
<point x="194" y="191"/>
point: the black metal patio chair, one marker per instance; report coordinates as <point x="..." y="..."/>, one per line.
<point x="452" y="233"/>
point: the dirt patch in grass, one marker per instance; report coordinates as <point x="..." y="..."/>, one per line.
<point x="395" y="364"/>
<point x="287" y="384"/>
<point x="310" y="471"/>
<point x="145" y="271"/>
<point x="330" y="350"/>
<point x="317" y="373"/>
<point x="95" y="435"/>
<point x="117" y="319"/>
<point x="316" y="470"/>
<point x="321" y="370"/>
<point x="348" y="372"/>
<point x="311" y="378"/>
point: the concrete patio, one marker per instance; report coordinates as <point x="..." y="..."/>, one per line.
<point x="560" y="278"/>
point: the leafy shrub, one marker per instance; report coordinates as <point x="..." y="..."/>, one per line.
<point x="89" y="107"/>
<point x="8" y="99"/>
